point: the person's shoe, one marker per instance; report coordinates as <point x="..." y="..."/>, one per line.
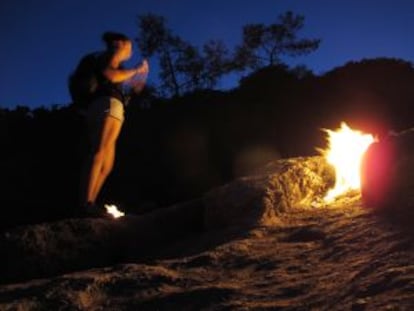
<point x="95" y="212"/>
<point x="92" y="211"/>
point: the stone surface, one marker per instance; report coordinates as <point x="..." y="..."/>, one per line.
<point x="51" y="248"/>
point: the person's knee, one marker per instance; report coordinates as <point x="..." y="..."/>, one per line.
<point x="107" y="169"/>
<point x="99" y="156"/>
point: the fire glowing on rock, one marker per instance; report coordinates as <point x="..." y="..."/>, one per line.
<point x="346" y="148"/>
<point x="113" y="210"/>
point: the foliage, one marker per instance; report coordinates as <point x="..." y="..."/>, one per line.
<point x="263" y="45"/>
<point x="183" y="67"/>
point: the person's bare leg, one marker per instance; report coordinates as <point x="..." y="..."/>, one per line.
<point x="84" y="180"/>
<point x="107" y="166"/>
<point x="103" y="158"/>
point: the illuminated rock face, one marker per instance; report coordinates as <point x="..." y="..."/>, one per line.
<point x="387" y="172"/>
<point x="52" y="248"/>
<point x="258" y="200"/>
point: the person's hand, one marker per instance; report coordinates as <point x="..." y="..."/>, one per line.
<point x="143" y="68"/>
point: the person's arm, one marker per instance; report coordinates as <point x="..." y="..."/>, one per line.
<point x="121" y="75"/>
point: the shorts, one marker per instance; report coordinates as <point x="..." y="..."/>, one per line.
<point x="98" y="110"/>
<point x="106" y="106"/>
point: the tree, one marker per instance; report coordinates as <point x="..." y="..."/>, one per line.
<point x="263" y="45"/>
<point x="183" y="67"/>
<point x="156" y="38"/>
<point x="217" y="61"/>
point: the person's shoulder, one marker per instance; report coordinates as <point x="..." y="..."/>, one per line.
<point x="103" y="59"/>
<point x="90" y="55"/>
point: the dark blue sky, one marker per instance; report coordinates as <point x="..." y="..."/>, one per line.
<point x="42" y="40"/>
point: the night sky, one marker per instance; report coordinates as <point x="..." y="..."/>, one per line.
<point x="42" y="40"/>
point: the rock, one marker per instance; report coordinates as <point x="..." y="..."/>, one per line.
<point x="387" y="172"/>
<point x="74" y="244"/>
<point x="51" y="248"/>
<point x="258" y="200"/>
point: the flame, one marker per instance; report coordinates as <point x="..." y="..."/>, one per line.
<point x="113" y="210"/>
<point x="345" y="150"/>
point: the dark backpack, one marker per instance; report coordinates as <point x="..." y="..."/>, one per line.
<point x="83" y="82"/>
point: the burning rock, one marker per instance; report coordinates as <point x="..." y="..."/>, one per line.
<point x="114" y="211"/>
<point x="345" y="151"/>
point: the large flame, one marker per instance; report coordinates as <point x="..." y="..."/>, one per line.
<point x="113" y="210"/>
<point x="345" y="150"/>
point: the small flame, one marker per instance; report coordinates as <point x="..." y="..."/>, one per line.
<point x="346" y="148"/>
<point x="113" y="210"/>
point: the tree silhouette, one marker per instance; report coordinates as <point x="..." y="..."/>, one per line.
<point x="217" y="61"/>
<point x="183" y="67"/>
<point x="263" y="45"/>
<point x="156" y="38"/>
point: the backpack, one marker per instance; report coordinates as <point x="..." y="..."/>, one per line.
<point x="83" y="82"/>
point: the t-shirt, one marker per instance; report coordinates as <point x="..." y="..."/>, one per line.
<point x="106" y="87"/>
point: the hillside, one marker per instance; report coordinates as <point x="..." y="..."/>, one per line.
<point x="263" y="242"/>
<point x="174" y="150"/>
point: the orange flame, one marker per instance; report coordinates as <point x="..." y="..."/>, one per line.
<point x="345" y="150"/>
<point x="113" y="210"/>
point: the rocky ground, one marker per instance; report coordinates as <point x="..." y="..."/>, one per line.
<point x="261" y="243"/>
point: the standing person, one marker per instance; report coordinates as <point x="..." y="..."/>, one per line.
<point x="105" y="115"/>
